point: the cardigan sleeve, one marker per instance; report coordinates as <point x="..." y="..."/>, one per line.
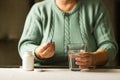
<point x="103" y="33"/>
<point x="32" y="33"/>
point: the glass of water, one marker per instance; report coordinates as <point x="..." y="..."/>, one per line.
<point x="73" y="50"/>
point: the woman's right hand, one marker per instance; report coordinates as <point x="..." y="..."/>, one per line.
<point x="45" y="51"/>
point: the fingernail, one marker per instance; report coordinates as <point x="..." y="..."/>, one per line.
<point x="76" y="63"/>
<point x="76" y="58"/>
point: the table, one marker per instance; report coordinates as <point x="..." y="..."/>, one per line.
<point x="59" y="74"/>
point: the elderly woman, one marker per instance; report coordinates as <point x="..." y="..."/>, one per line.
<point x="52" y="24"/>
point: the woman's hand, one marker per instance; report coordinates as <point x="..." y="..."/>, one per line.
<point x="88" y="59"/>
<point x="84" y="60"/>
<point x="45" y="51"/>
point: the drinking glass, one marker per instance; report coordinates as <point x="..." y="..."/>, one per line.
<point x="73" y="50"/>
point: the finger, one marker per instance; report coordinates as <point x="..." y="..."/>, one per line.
<point x="45" y="53"/>
<point x="52" y="47"/>
<point x="85" y="61"/>
<point x="49" y="52"/>
<point x="82" y="59"/>
<point x="84" y="55"/>
<point x="84" y="64"/>
<point x="45" y="46"/>
<point x="52" y="50"/>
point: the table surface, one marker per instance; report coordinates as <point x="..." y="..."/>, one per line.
<point x="59" y="74"/>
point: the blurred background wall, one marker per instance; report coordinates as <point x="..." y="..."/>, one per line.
<point x="12" y="18"/>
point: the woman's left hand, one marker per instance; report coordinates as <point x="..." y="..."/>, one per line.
<point x="84" y="60"/>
